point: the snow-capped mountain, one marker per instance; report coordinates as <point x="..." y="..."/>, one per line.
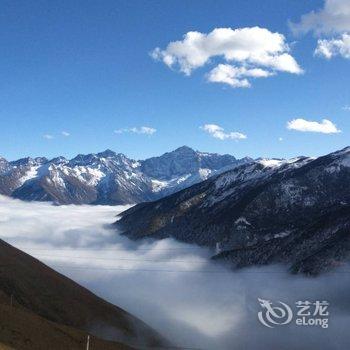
<point x="174" y="171"/>
<point x="109" y="177"/>
<point x="267" y="211"/>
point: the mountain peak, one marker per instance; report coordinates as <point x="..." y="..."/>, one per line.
<point x="21" y="161"/>
<point x="184" y="161"/>
<point x="58" y="160"/>
<point x="184" y="149"/>
<point x="106" y="154"/>
<point x="41" y="160"/>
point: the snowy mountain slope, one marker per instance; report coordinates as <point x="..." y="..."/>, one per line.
<point x="108" y="177"/>
<point x="295" y="212"/>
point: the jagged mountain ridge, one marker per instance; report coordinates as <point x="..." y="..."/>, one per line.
<point x="295" y="212"/>
<point x="109" y="177"/>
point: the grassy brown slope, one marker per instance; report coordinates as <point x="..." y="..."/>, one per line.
<point x="23" y="330"/>
<point x="46" y="293"/>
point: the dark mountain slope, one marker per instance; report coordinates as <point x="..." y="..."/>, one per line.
<point x="48" y="294"/>
<point x="294" y="212"/>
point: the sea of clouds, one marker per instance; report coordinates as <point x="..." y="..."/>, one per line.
<point x="172" y="286"/>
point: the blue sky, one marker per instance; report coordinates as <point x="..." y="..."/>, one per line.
<point x="85" y="68"/>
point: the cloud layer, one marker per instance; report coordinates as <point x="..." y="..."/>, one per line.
<point x="137" y="130"/>
<point x="325" y="126"/>
<point x="247" y="52"/>
<point x="173" y="286"/>
<point x="51" y="136"/>
<point x="218" y="132"/>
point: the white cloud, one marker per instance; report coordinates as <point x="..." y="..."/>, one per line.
<point x="332" y="22"/>
<point x="329" y="48"/>
<point x="325" y="127"/>
<point x="235" y="76"/>
<point x="140" y="130"/>
<point x="218" y="132"/>
<point x="280" y="139"/>
<point x="249" y="48"/>
<point x="50" y="136"/>
<point x="346" y="108"/>
<point x="333" y="18"/>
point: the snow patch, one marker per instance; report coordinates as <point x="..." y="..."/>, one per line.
<point x="30" y="174"/>
<point x="242" y="220"/>
<point x="281" y="234"/>
<point x="272" y="163"/>
<point x="88" y="175"/>
<point x="204" y="173"/>
<point x="158" y="185"/>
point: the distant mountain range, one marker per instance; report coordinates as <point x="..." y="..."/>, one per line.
<point x="109" y="177"/>
<point x="295" y="212"/>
